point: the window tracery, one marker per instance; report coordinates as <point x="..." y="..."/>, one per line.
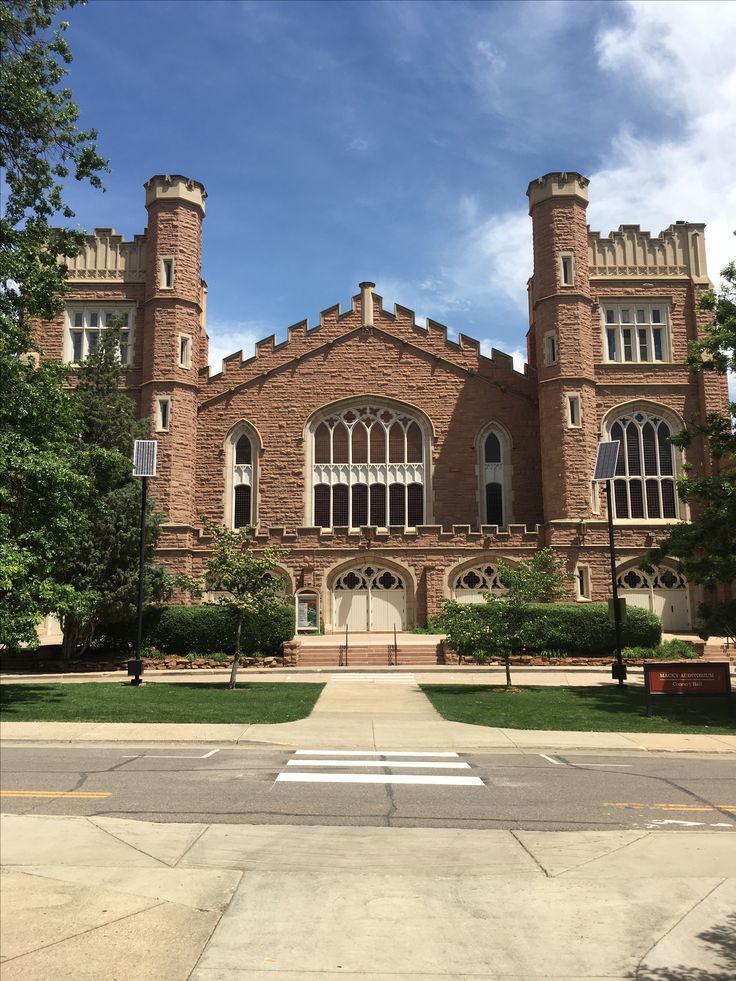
<point x="644" y="485"/>
<point x="369" y="467"/>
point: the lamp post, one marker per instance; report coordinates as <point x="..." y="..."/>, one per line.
<point x="605" y="470"/>
<point x="144" y="466"/>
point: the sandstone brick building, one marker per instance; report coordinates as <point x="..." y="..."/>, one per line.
<point x="398" y="466"/>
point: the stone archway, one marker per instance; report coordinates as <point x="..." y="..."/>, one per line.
<point x="661" y="590"/>
<point x="369" y="597"/>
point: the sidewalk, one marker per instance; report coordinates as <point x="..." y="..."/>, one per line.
<point x="106" y="898"/>
<point x="370" y="713"/>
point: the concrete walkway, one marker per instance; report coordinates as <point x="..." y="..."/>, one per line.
<point x="106" y="898"/>
<point x="381" y="712"/>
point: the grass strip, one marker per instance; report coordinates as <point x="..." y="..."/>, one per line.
<point x="600" y="708"/>
<point x="160" y="702"/>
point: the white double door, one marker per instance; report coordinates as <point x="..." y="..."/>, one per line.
<point x="670" y="605"/>
<point x="369" y="599"/>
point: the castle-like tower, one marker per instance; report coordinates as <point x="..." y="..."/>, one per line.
<point x="562" y="343"/>
<point x="174" y="340"/>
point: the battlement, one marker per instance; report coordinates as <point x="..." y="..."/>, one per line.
<point x="632" y="253"/>
<point x="336" y="326"/>
<point x="107" y="256"/>
<point x="489" y="537"/>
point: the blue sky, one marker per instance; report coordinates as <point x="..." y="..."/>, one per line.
<point x="394" y="141"/>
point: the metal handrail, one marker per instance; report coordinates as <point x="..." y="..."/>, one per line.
<point x="393" y="650"/>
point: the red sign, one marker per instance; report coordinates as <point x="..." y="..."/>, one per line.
<point x="688" y="679"/>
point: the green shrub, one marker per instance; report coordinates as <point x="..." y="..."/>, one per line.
<point x="584" y="630"/>
<point x="209" y="628"/>
<point x="669" y="650"/>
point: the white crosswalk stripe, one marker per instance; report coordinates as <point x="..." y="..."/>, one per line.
<point x="312" y="766"/>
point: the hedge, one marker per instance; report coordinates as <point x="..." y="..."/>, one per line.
<point x="584" y="630"/>
<point x="211" y="627"/>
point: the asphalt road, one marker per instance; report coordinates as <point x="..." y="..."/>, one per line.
<point x="244" y="785"/>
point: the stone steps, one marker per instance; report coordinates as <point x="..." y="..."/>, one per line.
<point x="720" y="652"/>
<point x="364" y="655"/>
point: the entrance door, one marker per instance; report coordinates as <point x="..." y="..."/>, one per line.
<point x="660" y="590"/>
<point x="369" y="598"/>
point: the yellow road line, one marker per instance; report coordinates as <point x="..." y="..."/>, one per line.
<point x="54" y="793"/>
<point x="676" y="807"/>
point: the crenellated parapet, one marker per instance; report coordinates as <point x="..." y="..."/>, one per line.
<point x="366" y="319"/>
<point x="630" y="252"/>
<point x="107" y="256"/>
<point x="369" y="538"/>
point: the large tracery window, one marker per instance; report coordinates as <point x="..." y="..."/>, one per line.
<point x="368" y="467"/>
<point x="644" y="486"/>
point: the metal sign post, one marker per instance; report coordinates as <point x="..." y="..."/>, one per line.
<point x="605" y="470"/>
<point x="144" y="466"/>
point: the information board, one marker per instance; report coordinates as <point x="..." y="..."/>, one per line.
<point x="687" y="678"/>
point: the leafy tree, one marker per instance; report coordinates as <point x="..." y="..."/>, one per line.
<point x="541" y="579"/>
<point x="41" y="481"/>
<point x="706" y="547"/>
<point x="98" y="572"/>
<point x="500" y="626"/>
<point x="243" y="578"/>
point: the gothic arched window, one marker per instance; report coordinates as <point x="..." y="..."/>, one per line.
<point x="241" y="456"/>
<point x="494" y="468"/>
<point x="369" y="466"/>
<point x="644" y="485"/>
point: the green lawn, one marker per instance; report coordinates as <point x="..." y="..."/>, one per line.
<point x="122" y="702"/>
<point x="591" y="709"/>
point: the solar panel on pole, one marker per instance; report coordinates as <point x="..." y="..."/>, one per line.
<point x="144" y="457"/>
<point x="605" y="464"/>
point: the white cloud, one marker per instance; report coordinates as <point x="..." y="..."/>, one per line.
<point x="680" y="56"/>
<point x="359" y="144"/>
<point x="518" y="353"/>
<point x="228" y="336"/>
<point x="676" y="57"/>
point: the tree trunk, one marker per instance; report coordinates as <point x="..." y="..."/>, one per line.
<point x="70" y="631"/>
<point x="507" y="664"/>
<point x="236" y="656"/>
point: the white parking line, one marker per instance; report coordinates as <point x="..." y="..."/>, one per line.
<point x="367" y="752"/>
<point x="427" y="764"/>
<point x="147" y="756"/>
<point x="551" y="759"/>
<point x="406" y="778"/>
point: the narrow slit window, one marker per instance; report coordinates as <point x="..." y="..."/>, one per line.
<point x="550" y="348"/>
<point x="163" y="415"/>
<point x="583" y="581"/>
<point x="567" y="270"/>
<point x="573" y="410"/>
<point x="167" y="274"/>
<point x="185" y="351"/>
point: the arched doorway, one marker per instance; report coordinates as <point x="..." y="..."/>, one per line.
<point x="369" y="598"/>
<point x="662" y="591"/>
